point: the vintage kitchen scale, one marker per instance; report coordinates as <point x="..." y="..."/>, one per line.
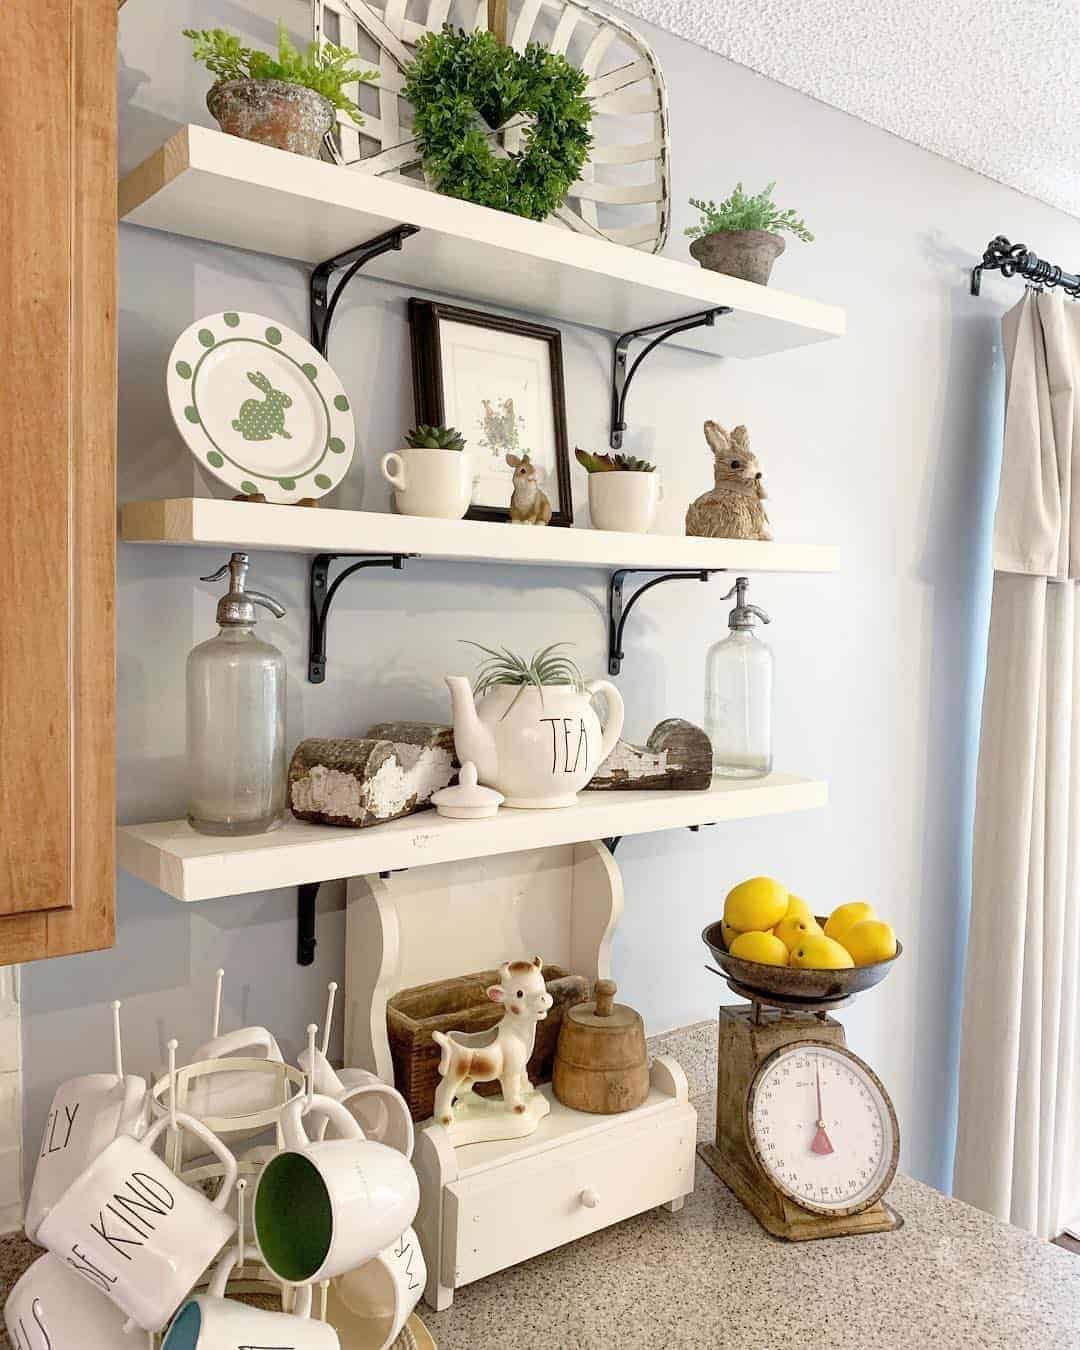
<point x="806" y="1135"/>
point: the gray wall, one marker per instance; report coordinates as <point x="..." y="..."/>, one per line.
<point x="884" y="443"/>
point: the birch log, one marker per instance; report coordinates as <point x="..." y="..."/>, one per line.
<point x="361" y="781"/>
<point x="676" y="755"/>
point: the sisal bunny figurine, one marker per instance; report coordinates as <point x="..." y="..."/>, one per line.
<point x="528" y="504"/>
<point x="733" y="509"/>
<point x="262" y="420"/>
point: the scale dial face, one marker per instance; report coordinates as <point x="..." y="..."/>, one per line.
<point x="822" y="1128"/>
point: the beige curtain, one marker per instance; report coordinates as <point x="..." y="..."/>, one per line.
<point x="1018" y="1143"/>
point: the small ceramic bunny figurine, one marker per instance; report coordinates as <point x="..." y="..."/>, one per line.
<point x="733" y="509"/>
<point x="262" y="420"/>
<point x="528" y="504"/>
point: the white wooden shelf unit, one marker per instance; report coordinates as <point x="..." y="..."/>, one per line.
<point x="578" y="1172"/>
<point x="207" y="185"/>
<point x="191" y="866"/>
<point x="212" y="521"/>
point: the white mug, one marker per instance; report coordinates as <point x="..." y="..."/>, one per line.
<point x="380" y="1110"/>
<point x="373" y="1303"/>
<point x="50" y="1308"/>
<point x="240" y="1093"/>
<point x="135" y="1231"/>
<point x="325" y="1207"/>
<point x="211" y="1321"/>
<point x="86" y="1114"/>
<point x="624" y="501"/>
<point x="429" y="481"/>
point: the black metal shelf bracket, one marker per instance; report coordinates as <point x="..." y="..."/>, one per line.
<point x="305" y="923"/>
<point x="619" y="608"/>
<point x="322" y="303"/>
<point x="623" y="370"/>
<point x="321" y="592"/>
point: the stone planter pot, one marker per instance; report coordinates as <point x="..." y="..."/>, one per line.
<point x="286" y="116"/>
<point x="748" y="254"/>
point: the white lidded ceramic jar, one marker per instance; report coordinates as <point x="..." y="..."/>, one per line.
<point x="625" y="500"/>
<point x="538" y="748"/>
<point x="429" y="481"/>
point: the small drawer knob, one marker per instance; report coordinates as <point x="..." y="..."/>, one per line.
<point x="589" y="1198"/>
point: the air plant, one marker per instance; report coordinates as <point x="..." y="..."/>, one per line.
<point x="612" y="463"/>
<point x="505" y="667"/>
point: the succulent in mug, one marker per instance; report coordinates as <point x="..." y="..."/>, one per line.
<point x="424" y="437"/>
<point x="612" y="463"/>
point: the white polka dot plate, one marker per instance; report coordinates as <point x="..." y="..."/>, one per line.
<point x="259" y="407"/>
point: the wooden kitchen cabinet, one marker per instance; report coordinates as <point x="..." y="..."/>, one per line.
<point x="57" y="518"/>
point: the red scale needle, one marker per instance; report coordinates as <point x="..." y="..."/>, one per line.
<point x="822" y="1143"/>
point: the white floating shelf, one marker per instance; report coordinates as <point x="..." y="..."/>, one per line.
<point x="192" y="866"/>
<point x="207" y="185"/>
<point x="212" y="521"/>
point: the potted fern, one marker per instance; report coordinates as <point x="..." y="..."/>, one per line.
<point x="430" y="474"/>
<point x="743" y="235"/>
<point x="624" y="492"/>
<point x="289" y="101"/>
<point x="529" y="727"/>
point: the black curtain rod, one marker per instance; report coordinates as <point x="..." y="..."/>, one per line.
<point x="1017" y="260"/>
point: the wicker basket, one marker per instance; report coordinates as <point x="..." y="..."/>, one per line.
<point x="462" y="1004"/>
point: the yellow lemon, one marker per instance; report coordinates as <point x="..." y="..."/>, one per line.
<point x="870" y="941"/>
<point x="799" y="907"/>
<point x="761" y="947"/>
<point x="847" y="916"/>
<point x="818" y="952"/>
<point x="755" y="905"/>
<point x="792" y="928"/>
<point x="729" y="933"/>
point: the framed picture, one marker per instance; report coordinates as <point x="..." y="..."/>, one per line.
<point x="500" y="382"/>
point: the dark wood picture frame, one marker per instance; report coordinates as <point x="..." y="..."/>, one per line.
<point x="425" y="316"/>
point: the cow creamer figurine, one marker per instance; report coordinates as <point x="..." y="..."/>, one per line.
<point x="733" y="509"/>
<point x="502" y="1053"/>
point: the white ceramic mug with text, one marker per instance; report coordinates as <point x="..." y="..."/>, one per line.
<point x="135" y="1231"/>
<point x="429" y="481"/>
<point x="625" y="500"/>
<point x="374" y="1302"/>
<point x="326" y="1206"/>
<point x="211" y="1321"/>
<point x="50" y="1308"/>
<point x="86" y="1115"/>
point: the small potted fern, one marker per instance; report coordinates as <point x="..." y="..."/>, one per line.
<point x="742" y="236"/>
<point x="289" y="101"/>
<point x="431" y="474"/>
<point x="624" y="492"/>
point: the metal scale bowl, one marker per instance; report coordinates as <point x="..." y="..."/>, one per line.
<point x="804" y="1169"/>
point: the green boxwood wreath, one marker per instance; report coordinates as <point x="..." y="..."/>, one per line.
<point x="460" y="81"/>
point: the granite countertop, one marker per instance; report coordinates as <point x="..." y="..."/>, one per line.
<point x="709" y="1276"/>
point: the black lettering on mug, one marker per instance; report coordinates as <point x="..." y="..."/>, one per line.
<point x="113" y="1238"/>
<point x="89" y="1271"/>
<point x="22" y="1336"/>
<point x="405" y="1248"/>
<point x="157" y="1189"/>
<point x="48" y="1138"/>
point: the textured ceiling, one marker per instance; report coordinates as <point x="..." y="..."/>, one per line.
<point x="994" y="86"/>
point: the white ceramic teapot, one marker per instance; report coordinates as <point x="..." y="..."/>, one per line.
<point x="539" y="748"/>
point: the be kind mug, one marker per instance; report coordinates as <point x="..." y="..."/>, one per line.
<point x="211" y="1321"/>
<point x="324" y="1207"/>
<point x="86" y="1114"/>
<point x="50" y="1308"/>
<point x="135" y="1231"/>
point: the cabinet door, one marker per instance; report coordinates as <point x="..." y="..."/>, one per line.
<point x="57" y="494"/>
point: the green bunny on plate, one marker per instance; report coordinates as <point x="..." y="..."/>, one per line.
<point x="262" y="420"/>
